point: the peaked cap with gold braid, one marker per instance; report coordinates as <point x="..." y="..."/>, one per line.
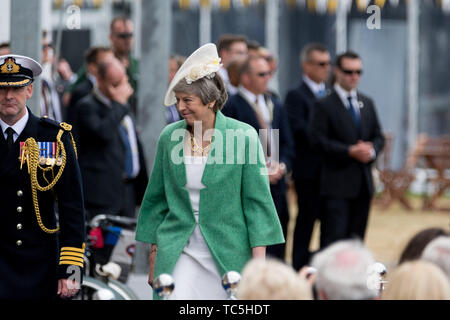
<point x="17" y="70"/>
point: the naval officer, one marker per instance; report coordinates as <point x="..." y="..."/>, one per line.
<point x="41" y="212"/>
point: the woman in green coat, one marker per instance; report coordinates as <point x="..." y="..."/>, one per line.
<point x="207" y="209"/>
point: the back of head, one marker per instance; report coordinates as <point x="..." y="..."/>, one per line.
<point x="92" y="55"/>
<point x="271" y="279"/>
<point x="226" y="40"/>
<point x="415" y="246"/>
<point x="417" y="280"/>
<point x="342" y="271"/>
<point x="438" y="252"/>
<point x="234" y="69"/>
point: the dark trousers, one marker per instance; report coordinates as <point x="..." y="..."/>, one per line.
<point x="309" y="209"/>
<point x="344" y="218"/>
<point x="279" y="198"/>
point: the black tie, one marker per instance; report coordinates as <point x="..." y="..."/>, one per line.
<point x="9" y="139"/>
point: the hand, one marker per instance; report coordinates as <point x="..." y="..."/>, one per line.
<point x="122" y="92"/>
<point x="67" y="288"/>
<point x="151" y="261"/>
<point x="361" y="151"/>
<point x="276" y="171"/>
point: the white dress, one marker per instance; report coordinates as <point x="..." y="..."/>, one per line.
<point x="196" y="276"/>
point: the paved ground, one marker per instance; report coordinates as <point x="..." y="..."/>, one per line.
<point x="138" y="283"/>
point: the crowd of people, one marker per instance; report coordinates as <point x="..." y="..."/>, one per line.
<point x="203" y="216"/>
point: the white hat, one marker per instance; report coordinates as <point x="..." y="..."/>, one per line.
<point x="204" y="62"/>
<point x="18" y="71"/>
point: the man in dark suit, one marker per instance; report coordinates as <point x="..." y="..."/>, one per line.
<point x="315" y="62"/>
<point x="253" y="106"/>
<point x="111" y="158"/>
<point x="347" y="133"/>
<point x="38" y="259"/>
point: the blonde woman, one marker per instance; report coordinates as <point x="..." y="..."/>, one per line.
<point x="417" y="280"/>
<point x="272" y="279"/>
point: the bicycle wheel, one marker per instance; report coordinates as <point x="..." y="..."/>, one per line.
<point x="90" y="289"/>
<point x="122" y="290"/>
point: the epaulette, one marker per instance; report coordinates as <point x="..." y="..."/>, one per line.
<point x="63" y="125"/>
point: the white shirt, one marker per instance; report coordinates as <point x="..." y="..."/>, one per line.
<point x="17" y="127"/>
<point x="314" y="86"/>
<point x="343" y="94"/>
<point x="261" y="104"/>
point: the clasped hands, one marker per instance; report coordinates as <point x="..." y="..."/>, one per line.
<point x="362" y="151"/>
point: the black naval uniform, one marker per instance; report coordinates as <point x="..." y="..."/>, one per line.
<point x="32" y="261"/>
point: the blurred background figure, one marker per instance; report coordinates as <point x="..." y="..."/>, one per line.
<point x="342" y="272"/>
<point x="175" y="62"/>
<point x="273" y="66"/>
<point x="50" y="101"/>
<point x="271" y="279"/>
<point x="415" y="246"/>
<point x="315" y="62"/>
<point x="265" y="113"/>
<point x="231" y="47"/>
<point x="110" y="154"/>
<point x="346" y="132"/>
<point x="4" y="48"/>
<point x="233" y="70"/>
<point x="438" y="252"/>
<point x="253" y="48"/>
<point x="417" y="280"/>
<point x="93" y="57"/>
<point x="122" y="36"/>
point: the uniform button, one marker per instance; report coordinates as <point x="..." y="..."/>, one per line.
<point x="19" y="209"/>
<point x="19" y="243"/>
<point x="19" y="193"/>
<point x="19" y="226"/>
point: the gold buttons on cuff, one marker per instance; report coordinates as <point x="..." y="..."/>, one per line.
<point x="19" y="209"/>
<point x="19" y="193"/>
<point x="19" y="243"/>
<point x="19" y="226"/>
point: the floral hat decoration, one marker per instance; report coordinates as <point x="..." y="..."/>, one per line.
<point x="203" y="62"/>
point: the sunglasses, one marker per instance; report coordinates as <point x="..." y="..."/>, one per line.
<point x="263" y="74"/>
<point x="350" y="72"/>
<point x="124" y="35"/>
<point x="322" y="63"/>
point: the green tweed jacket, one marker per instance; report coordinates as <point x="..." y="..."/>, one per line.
<point x="236" y="210"/>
